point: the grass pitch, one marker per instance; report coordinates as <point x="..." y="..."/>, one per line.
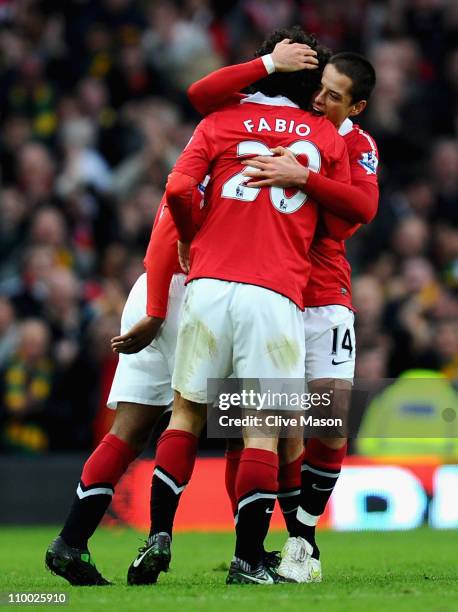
<point x="410" y="571"/>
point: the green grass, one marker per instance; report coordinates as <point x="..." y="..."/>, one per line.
<point x="412" y="571"/>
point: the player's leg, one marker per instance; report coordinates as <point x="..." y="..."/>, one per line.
<point x="268" y="329"/>
<point x="330" y="359"/>
<point x="126" y="440"/>
<point x="320" y="471"/>
<point x="290" y="452"/>
<point x="321" y="465"/>
<point x="140" y="391"/>
<point x="234" y="448"/>
<point x="203" y="351"/>
<point x="330" y="364"/>
<point x="175" y="459"/>
<point x="68" y="555"/>
<point x="256" y="490"/>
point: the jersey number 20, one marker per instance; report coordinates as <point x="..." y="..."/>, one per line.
<point x="236" y="189"/>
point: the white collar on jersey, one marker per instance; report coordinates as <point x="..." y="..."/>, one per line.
<point x="346" y="127"/>
<point x="260" y="98"/>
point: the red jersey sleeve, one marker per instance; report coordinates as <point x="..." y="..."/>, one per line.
<point x="363" y="166"/>
<point x="199" y="152"/>
<point x="355" y="203"/>
<point x="339" y="168"/>
<point x="221" y="87"/>
<point x="348" y="206"/>
<point x="161" y="263"/>
<point x="190" y="170"/>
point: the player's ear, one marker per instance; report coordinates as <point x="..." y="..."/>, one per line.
<point x="358" y="107"/>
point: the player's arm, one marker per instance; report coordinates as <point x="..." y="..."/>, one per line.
<point x="160" y="264"/>
<point x="222" y="86"/>
<point x="179" y="190"/>
<point x="354" y="203"/>
<point x="190" y="170"/>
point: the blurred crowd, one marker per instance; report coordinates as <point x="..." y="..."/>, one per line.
<point x="93" y="114"/>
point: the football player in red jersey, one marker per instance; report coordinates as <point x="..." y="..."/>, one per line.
<point x="242" y="312"/>
<point x="346" y="85"/>
<point x="141" y="389"/>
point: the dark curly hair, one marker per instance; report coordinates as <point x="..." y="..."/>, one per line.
<point x="297" y="86"/>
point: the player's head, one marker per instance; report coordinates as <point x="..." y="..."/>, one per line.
<point x="299" y="86"/>
<point x="346" y="86"/>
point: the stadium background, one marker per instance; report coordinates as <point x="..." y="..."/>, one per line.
<point x="93" y="114"/>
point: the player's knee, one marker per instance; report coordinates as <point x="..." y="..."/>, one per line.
<point x="136" y="437"/>
<point x="339" y="390"/>
<point x="133" y="424"/>
<point x="289" y="449"/>
<point x="190" y="422"/>
<point x="188" y="416"/>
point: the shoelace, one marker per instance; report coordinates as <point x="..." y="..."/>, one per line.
<point x="299" y="553"/>
<point x="142" y="549"/>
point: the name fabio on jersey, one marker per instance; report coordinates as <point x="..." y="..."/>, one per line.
<point x="288" y="126"/>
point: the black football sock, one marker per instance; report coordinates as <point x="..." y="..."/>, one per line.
<point x="289" y="490"/>
<point x="320" y="471"/>
<point x="100" y="475"/>
<point x="256" y="487"/>
<point x="317" y="486"/>
<point x="85" y="515"/>
<point x="175" y="458"/>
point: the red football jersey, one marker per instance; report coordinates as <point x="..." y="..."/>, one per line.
<point x="251" y="235"/>
<point x="330" y="278"/>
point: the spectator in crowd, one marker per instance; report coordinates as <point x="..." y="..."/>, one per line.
<point x="26" y="387"/>
<point x="83" y="165"/>
<point x="35" y="172"/>
<point x="49" y="229"/>
<point x="33" y="96"/>
<point x="27" y="287"/>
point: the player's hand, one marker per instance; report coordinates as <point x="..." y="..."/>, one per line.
<point x="281" y="170"/>
<point x="183" y="255"/>
<point x="290" y="57"/>
<point x="138" y="337"/>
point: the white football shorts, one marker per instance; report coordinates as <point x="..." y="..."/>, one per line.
<point x="330" y="344"/>
<point x="234" y="328"/>
<point x="145" y="377"/>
